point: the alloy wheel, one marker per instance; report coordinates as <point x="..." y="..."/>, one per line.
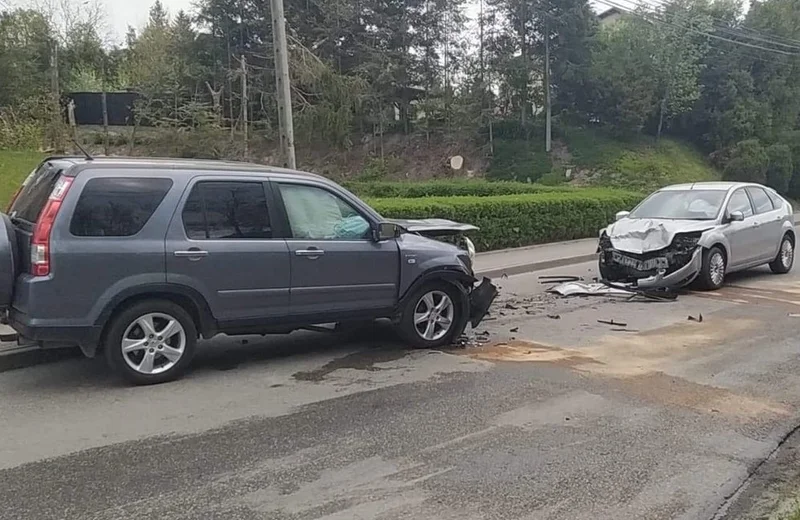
<point x="787" y="253"/>
<point x="716" y="266"/>
<point x="153" y="343"/>
<point x="433" y="315"/>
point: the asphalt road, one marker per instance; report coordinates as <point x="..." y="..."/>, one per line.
<point x="549" y="417"/>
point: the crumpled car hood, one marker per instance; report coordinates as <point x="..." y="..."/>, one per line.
<point x="433" y="226"/>
<point x="644" y="235"/>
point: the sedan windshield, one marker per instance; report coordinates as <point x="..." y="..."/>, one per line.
<point x="681" y="205"/>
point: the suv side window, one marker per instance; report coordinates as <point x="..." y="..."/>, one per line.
<point x="117" y="206"/>
<point x="760" y="200"/>
<point x="225" y="210"/>
<point x="317" y="214"/>
<point x="740" y="202"/>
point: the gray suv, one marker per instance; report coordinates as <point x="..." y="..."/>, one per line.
<point x="140" y="258"/>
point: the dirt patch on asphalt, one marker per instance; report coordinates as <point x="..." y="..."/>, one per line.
<point x="526" y="351"/>
<point x="640" y="361"/>
<point x="676" y="391"/>
<point x="624" y="354"/>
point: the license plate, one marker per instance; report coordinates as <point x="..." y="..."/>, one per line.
<point x="640" y="265"/>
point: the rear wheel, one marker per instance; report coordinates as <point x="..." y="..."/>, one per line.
<point x="712" y="274"/>
<point x="433" y="316"/>
<point x="151" y="342"/>
<point x="785" y="260"/>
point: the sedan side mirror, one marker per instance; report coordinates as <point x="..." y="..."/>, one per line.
<point x="622" y="214"/>
<point x="736" y="216"/>
<point x="385" y="231"/>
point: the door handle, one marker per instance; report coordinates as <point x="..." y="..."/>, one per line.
<point x="311" y="254"/>
<point x="191" y="253"/>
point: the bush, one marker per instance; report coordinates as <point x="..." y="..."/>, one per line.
<point x="779" y="172"/>
<point x="409" y="190"/>
<point x="522" y="219"/>
<point x="748" y="163"/>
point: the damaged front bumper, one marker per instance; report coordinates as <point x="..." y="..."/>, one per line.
<point x="675" y="266"/>
<point x="480" y="299"/>
<point x="683" y="276"/>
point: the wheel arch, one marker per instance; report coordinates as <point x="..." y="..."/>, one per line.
<point x="189" y="299"/>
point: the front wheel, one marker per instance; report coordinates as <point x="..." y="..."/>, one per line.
<point x="151" y="342"/>
<point x="785" y="260"/>
<point x="433" y="316"/>
<point x="712" y="274"/>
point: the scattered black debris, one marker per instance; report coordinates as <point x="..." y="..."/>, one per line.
<point x="699" y="319"/>
<point x="612" y="323"/>
<point x="556" y="279"/>
<point x="511" y="307"/>
<point x="624" y="330"/>
<point x="483" y="333"/>
<point x="245" y="341"/>
<point x="566" y="418"/>
<point x="554" y="316"/>
<point x="504" y="277"/>
<point x="515" y="329"/>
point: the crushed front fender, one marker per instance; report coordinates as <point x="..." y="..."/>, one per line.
<point x="480" y="300"/>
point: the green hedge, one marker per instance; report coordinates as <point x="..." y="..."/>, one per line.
<point x="519" y="220"/>
<point x="410" y="190"/>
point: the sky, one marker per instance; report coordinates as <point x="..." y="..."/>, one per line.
<point x="122" y="13"/>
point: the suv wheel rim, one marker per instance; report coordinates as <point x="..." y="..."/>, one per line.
<point x="153" y="343"/>
<point x="717" y="268"/>
<point x="433" y="315"/>
<point x="787" y="253"/>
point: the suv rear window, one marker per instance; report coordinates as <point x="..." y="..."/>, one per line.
<point x="117" y="206"/>
<point x="35" y="192"/>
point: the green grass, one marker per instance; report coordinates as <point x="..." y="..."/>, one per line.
<point x="14" y="167"/>
<point x="639" y="164"/>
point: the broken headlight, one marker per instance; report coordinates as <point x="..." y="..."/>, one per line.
<point x="605" y="242"/>
<point x="687" y="241"/>
<point x="470" y="248"/>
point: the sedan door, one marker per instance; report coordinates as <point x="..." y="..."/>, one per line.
<point x="221" y="244"/>
<point x="769" y="221"/>
<point x="742" y="236"/>
<point x="336" y="265"/>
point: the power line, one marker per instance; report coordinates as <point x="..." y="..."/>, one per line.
<point x="654" y="18"/>
<point x="759" y="36"/>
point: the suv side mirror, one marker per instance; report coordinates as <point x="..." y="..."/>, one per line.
<point x="621" y="215"/>
<point x="736" y="216"/>
<point x="385" y="231"/>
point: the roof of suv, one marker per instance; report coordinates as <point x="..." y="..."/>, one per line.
<point x="188" y="165"/>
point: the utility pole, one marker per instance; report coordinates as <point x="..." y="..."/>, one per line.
<point x="548" y="115"/>
<point x="245" y="128"/>
<point x="285" y="118"/>
<point x="105" y="111"/>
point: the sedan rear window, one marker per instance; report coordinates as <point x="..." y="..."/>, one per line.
<point x="681" y="205"/>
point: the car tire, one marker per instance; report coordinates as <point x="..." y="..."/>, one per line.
<point x="151" y="342"/>
<point x="443" y="303"/>
<point x="712" y="273"/>
<point x="784" y="262"/>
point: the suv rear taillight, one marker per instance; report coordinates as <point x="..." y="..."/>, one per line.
<point x="40" y="243"/>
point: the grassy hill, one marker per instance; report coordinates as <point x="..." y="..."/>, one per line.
<point x="595" y="158"/>
<point x="14" y="167"/>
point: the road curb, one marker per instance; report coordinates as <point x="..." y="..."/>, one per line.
<point x="23" y="357"/>
<point x="529" y="267"/>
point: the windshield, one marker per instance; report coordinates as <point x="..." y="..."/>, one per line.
<point x="681" y="205"/>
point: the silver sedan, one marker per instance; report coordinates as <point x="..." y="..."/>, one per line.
<point x="699" y="231"/>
